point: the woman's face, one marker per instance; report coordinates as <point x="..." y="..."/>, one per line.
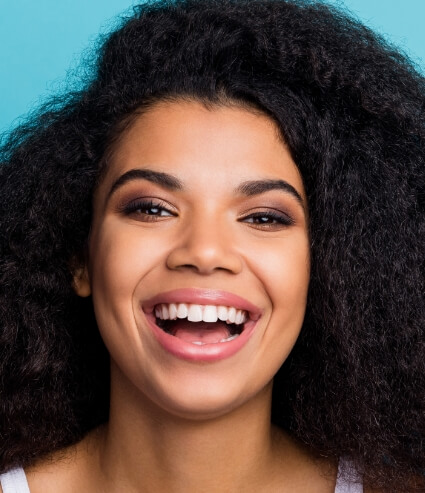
<point x="199" y="256"/>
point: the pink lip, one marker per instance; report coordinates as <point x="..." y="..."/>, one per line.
<point x="207" y="352"/>
<point x="203" y="297"/>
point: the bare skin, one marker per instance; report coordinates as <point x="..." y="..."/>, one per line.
<point x="218" y="456"/>
<point x="178" y="425"/>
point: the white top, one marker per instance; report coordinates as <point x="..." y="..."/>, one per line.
<point x="348" y="480"/>
<point x="15" y="480"/>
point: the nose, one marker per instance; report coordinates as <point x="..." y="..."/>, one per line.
<point x="205" y="247"/>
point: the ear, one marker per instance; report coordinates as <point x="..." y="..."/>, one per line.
<point x="81" y="281"/>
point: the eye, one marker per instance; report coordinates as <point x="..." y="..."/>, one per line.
<point x="148" y="210"/>
<point x="271" y="219"/>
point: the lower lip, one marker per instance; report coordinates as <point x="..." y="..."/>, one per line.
<point x="205" y="352"/>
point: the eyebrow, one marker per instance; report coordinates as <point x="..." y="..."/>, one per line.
<point x="163" y="179"/>
<point x="247" y="188"/>
<point x="257" y="187"/>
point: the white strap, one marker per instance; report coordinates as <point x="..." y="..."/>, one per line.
<point x="348" y="480"/>
<point x="14" y="481"/>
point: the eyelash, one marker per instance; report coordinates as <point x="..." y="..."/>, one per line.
<point x="142" y="206"/>
<point x="273" y="219"/>
<point x="278" y="219"/>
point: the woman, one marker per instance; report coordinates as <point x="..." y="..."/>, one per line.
<point x="235" y="204"/>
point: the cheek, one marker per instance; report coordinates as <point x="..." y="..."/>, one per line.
<point x="286" y="280"/>
<point x="120" y="257"/>
<point x="284" y="269"/>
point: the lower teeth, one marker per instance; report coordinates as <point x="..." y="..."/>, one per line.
<point x="200" y="343"/>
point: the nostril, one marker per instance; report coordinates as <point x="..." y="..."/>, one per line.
<point x="188" y="266"/>
<point x="185" y="259"/>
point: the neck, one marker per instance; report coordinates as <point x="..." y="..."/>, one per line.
<point x="152" y="450"/>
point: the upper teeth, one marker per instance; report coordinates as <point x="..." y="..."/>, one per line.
<point x="200" y="313"/>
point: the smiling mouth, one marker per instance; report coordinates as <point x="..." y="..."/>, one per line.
<point x="201" y="324"/>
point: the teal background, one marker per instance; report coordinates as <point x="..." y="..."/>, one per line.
<point x="42" y="41"/>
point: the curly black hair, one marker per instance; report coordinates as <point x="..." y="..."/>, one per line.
<point x="351" y="110"/>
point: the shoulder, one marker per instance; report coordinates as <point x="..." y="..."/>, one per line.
<point x="67" y="471"/>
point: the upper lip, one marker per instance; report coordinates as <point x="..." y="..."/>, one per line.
<point x="203" y="297"/>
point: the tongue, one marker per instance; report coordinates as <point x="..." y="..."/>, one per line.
<point x="206" y="332"/>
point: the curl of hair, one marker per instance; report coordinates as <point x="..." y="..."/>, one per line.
<point x="351" y="110"/>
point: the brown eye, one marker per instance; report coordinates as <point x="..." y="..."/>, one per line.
<point x="268" y="219"/>
<point x="147" y="210"/>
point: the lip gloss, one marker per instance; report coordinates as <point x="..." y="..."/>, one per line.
<point x="208" y="352"/>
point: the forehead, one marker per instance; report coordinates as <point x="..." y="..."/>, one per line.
<point x="199" y="143"/>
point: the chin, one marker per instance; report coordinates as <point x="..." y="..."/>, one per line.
<point x="202" y="399"/>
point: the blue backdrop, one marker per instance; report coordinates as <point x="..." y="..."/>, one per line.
<point x="42" y="41"/>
